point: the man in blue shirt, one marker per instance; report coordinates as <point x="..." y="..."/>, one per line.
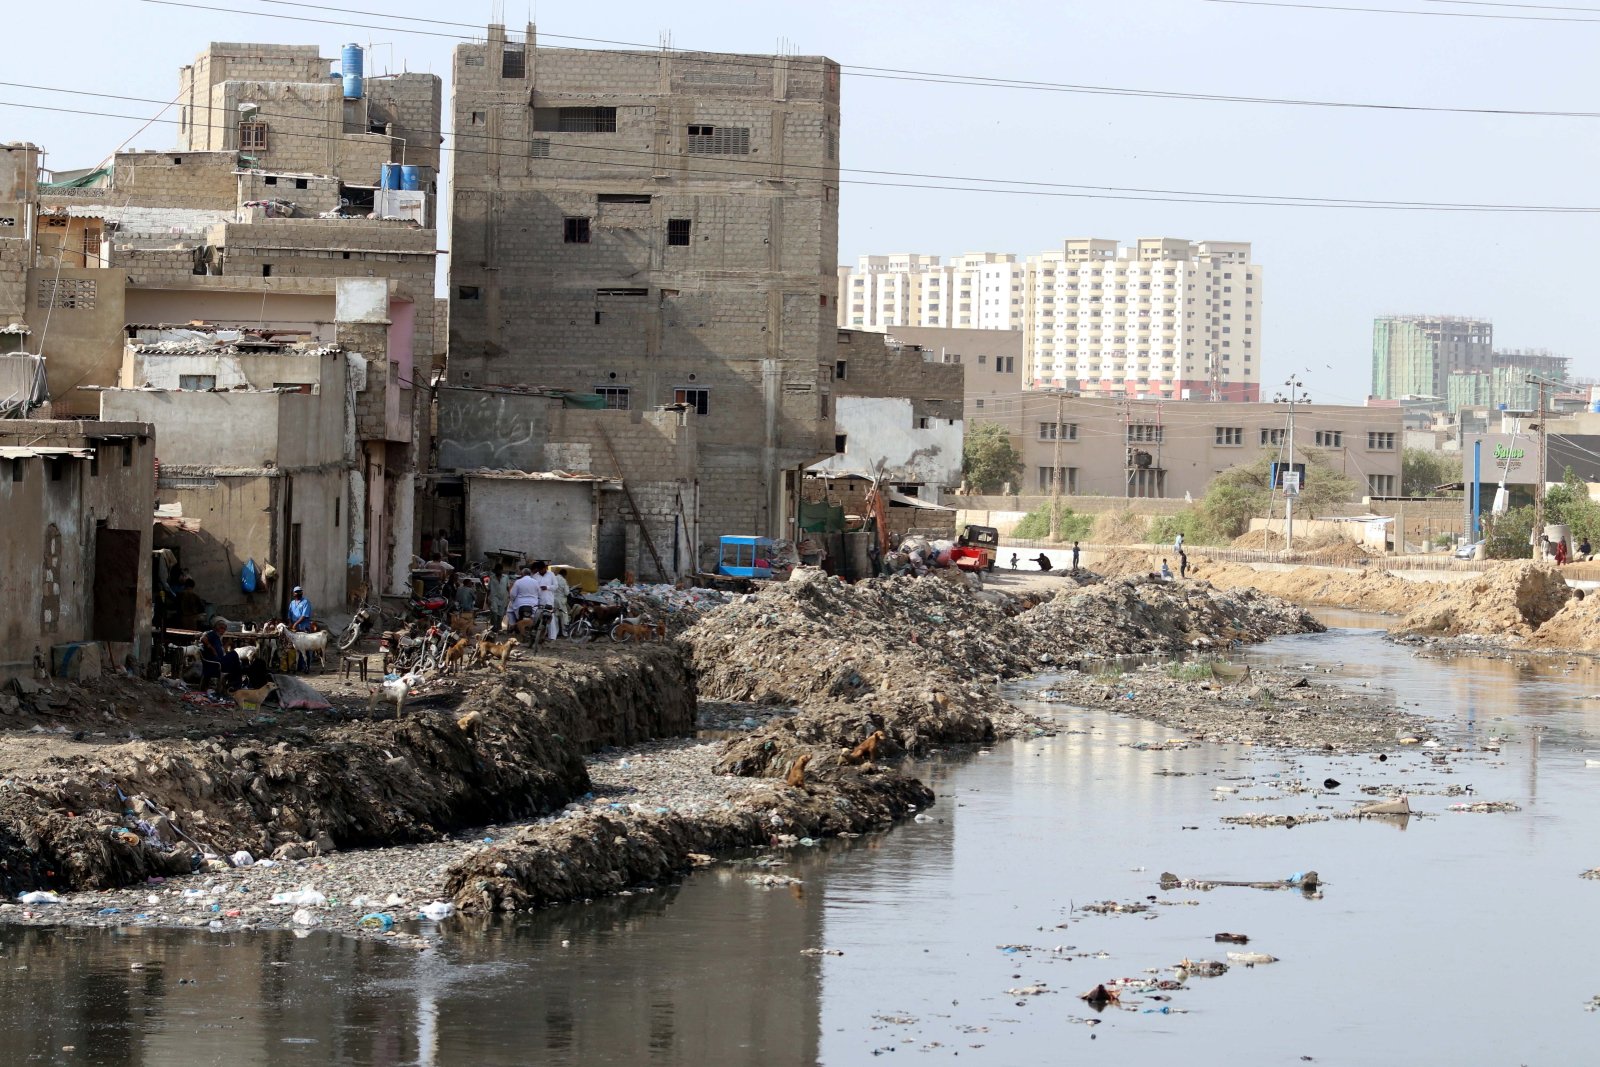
<point x="299" y="612"/>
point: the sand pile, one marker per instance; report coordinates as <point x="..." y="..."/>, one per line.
<point x="1576" y="626"/>
<point x="1510" y="599"/>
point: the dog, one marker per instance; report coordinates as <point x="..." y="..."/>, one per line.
<point x="866" y="751"/>
<point x="797" y="773"/>
<point x="455" y="656"/>
<point x="254" y="698"/>
<point x="639" y="630"/>
<point x="463" y="623"/>
<point x="469" y="723"/>
<point x="500" y="650"/>
<point x="395" y="690"/>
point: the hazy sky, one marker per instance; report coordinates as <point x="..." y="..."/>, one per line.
<point x="1328" y="272"/>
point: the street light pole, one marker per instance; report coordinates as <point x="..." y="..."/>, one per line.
<point x="1055" y="475"/>
<point x="1296" y="395"/>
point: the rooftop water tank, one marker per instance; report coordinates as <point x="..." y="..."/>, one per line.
<point x="410" y="177"/>
<point x="389" y="177"/>
<point x="350" y="66"/>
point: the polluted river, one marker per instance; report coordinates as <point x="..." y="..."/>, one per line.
<point x="972" y="930"/>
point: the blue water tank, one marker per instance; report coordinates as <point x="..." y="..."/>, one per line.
<point x="410" y="177"/>
<point x="350" y="66"/>
<point x="390" y="176"/>
<point x="1595" y="406"/>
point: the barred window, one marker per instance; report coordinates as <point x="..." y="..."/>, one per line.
<point x="719" y="140"/>
<point x="252" y="136"/>
<point x="616" y="396"/>
<point x="539" y="148"/>
<point x="77" y="294"/>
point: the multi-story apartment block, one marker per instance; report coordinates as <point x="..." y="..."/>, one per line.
<point x="659" y="229"/>
<point x="977" y="291"/>
<point x="1165" y="319"/>
<point x="1415" y="355"/>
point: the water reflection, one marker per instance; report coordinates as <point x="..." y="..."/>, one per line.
<point x="1406" y="957"/>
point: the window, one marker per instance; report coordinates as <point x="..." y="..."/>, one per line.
<point x="1380" y="441"/>
<point x="513" y="63"/>
<point x="1271" y="436"/>
<point x="575" y="231"/>
<point x="979" y="404"/>
<point x="622" y="198"/>
<point x="575" y="119"/>
<point x="696" y="400"/>
<point x="466" y="292"/>
<point x="922" y="422"/>
<point x="1230" y="435"/>
<point x="1145" y="433"/>
<point x="841" y="369"/>
<point x="266" y="270"/>
<point x="300" y="183"/>
<point x="1069" y="479"/>
<point x="1380" y="485"/>
<point x="58" y="468"/>
<point x="719" y="140"/>
<point x="1053" y="431"/>
<point x="77" y="294"/>
<point x="252" y="136"/>
<point x="1330" y="438"/>
<point x="678" y="231"/>
<point x="840" y="440"/>
<point x="1004" y="364"/>
<point x="197" y="381"/>
<point x="478" y="118"/>
<point x="539" y="148"/>
<point x="616" y="396"/>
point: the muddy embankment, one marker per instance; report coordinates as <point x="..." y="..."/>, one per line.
<point x="91" y="816"/>
<point x="1517" y="603"/>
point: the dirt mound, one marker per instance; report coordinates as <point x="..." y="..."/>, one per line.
<point x="1365" y="590"/>
<point x="511" y="748"/>
<point x="1129" y="563"/>
<point x="1265" y="539"/>
<point x="1125" y="527"/>
<point x="1337" y="553"/>
<point x="1512" y="599"/>
<point x="1575" y="627"/>
<point x="1140" y="616"/>
<point x="591" y="855"/>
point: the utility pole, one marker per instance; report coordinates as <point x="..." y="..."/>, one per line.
<point x="1291" y="479"/>
<point x="1055" y="475"/>
<point x="1538" y="476"/>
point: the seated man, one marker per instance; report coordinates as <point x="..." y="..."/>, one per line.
<point x="216" y="660"/>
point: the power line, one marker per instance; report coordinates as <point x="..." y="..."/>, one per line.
<point x="1005" y="186"/>
<point x="898" y="74"/>
<point x="1393" y="11"/>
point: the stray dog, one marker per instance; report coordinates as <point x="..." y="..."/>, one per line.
<point x="253" y="698"/>
<point x="639" y="630"/>
<point x="463" y="622"/>
<point x="797" y="773"/>
<point x="455" y="656"/>
<point x="500" y="650"/>
<point x="866" y="751"/>
<point x="468" y="723"/>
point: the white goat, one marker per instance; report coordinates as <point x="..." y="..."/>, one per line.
<point x="307" y="645"/>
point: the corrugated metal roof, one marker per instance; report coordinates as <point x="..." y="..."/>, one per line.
<point x="33" y="451"/>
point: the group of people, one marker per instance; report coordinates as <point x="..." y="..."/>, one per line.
<point x="219" y="661"/>
<point x="1557" y="550"/>
<point x="537" y="587"/>
<point x="1045" y="563"/>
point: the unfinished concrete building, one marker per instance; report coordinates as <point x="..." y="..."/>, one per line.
<point x="272" y="218"/>
<point x="658" y="229"/>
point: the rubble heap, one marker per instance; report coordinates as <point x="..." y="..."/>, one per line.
<point x="1511" y="599"/>
<point x="918" y="658"/>
<point x="591" y="854"/>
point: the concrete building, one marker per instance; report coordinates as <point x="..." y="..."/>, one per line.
<point x="1163" y="319"/>
<point x="1136" y="448"/>
<point x="547" y="474"/>
<point x="898" y="415"/>
<point x="267" y="218"/>
<point x="75" y="563"/>
<point x="1414" y="355"/>
<point x="980" y="290"/>
<point x="659" y="229"/>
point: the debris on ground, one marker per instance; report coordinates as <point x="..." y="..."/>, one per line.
<point x="1250" y="959"/>
<point x="1232" y="939"/>
<point x="1307" y="881"/>
<point x="1273" y="819"/>
<point x="1486" y="807"/>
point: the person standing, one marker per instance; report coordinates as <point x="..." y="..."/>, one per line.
<point x="441" y="545"/>
<point x="1177" y="544"/>
<point x="545" y="582"/>
<point x="1074" y="557"/>
<point x="499" y="594"/>
<point x="562" y="590"/>
<point x="1183" y="565"/>
<point x="299" y="612"/>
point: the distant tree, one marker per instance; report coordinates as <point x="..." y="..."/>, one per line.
<point x="1421" y="470"/>
<point x="1242" y="493"/>
<point x="988" y="458"/>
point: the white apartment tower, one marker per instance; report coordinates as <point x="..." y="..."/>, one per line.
<point x="977" y="291"/>
<point x="1164" y="319"/>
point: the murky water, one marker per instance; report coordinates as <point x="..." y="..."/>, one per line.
<point x="1458" y="939"/>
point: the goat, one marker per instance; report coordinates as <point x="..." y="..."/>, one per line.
<point x="307" y="645"/>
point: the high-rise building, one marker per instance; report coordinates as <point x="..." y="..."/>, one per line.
<point x="1164" y="319"/>
<point x="977" y="291"/>
<point x="1414" y="355"/>
<point x="658" y="229"/>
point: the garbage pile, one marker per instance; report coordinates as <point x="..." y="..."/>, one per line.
<point x="1511" y="599"/>
<point x="919" y="659"/>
